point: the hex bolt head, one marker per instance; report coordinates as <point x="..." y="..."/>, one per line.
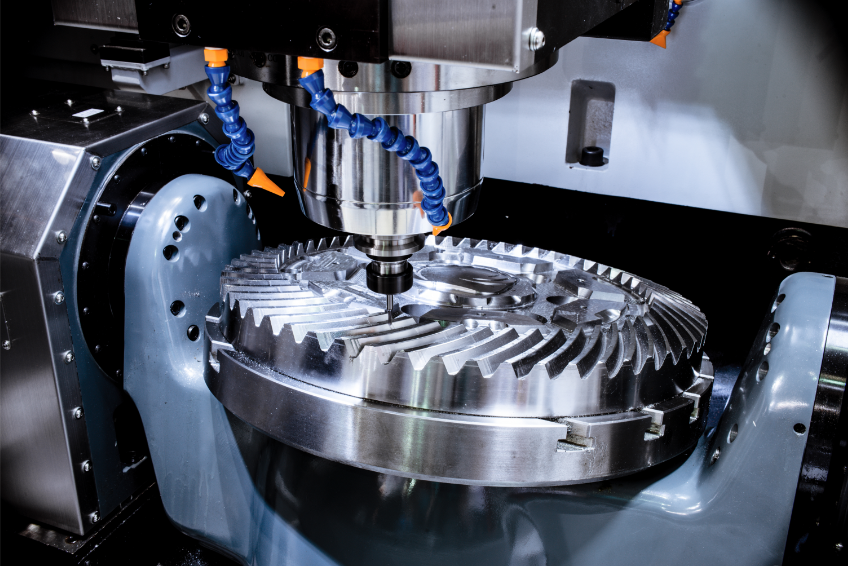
<point x="204" y="118"/>
<point x="78" y="414"/>
<point x="167" y="66"/>
<point x="247" y="194"/>
<point x="69" y="357"/>
<point x="61" y="237"/>
<point x="95" y="162"/>
<point x="59" y="297"/>
<point x="172" y="139"/>
<point x="537" y="39"/>
<point x="143" y="151"/>
<point x="7" y="345"/>
<point x="119" y="109"/>
<point x="839" y="546"/>
<point x="35" y="112"/>
<point x="86" y="466"/>
<point x="95" y="517"/>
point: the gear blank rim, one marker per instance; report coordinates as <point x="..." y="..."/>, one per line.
<point x="322" y="369"/>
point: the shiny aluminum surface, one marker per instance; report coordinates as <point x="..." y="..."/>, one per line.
<point x="519" y="346"/>
<point x="355" y="186"/>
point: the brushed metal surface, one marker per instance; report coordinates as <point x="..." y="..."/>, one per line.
<point x="43" y="445"/>
<point x="485" y="33"/>
<point x="357" y="187"/>
<point x="42" y="187"/>
<point x="141" y="117"/>
<point x="115" y="15"/>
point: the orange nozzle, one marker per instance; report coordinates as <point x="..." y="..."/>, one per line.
<point x="417" y="197"/>
<point x="309" y="65"/>
<point x="660" y="37"/>
<point x="261" y="180"/>
<point x="307" y="169"/>
<point x="215" y="56"/>
<point x="438" y="229"/>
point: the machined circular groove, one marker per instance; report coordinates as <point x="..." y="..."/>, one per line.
<point x="475" y="338"/>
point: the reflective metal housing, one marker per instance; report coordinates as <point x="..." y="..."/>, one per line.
<point x="356" y="186"/>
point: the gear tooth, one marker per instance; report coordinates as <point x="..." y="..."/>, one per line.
<point x="523" y="363"/>
<point x="348" y="242"/>
<point x="464" y="243"/>
<point x="591" y="354"/>
<point x="334" y="243"/>
<point x="602" y="270"/>
<point x="589" y="266"/>
<point x="500" y="248"/>
<point x="310" y="247"/>
<point x="482" y="245"/>
<point x="431" y="240"/>
<point x="559" y="360"/>
<point x="322" y="245"/>
<point x="516" y="251"/>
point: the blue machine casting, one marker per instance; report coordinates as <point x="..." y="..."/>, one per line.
<point x="235" y="155"/>
<point x="390" y="138"/>
<point x="673" y="12"/>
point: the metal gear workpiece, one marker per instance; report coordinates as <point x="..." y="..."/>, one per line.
<point x="502" y="365"/>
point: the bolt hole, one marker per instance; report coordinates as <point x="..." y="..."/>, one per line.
<point x="799" y="428"/>
<point x="199" y="203"/>
<point x="181" y="25"/>
<point x="772" y="331"/>
<point x="734" y="432"/>
<point x="171" y="253"/>
<point x="560" y="300"/>
<point x="767" y="349"/>
<point x="177" y="236"/>
<point x="763" y="371"/>
<point x="193" y="333"/>
<point x="716" y="455"/>
<point x="400" y="69"/>
<point x="182" y="223"/>
<point x="326" y="39"/>
<point x="348" y="69"/>
<point x="178" y="308"/>
<point x="249" y="212"/>
<point x="777" y="301"/>
<point x="236" y="196"/>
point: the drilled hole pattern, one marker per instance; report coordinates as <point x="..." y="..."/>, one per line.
<point x="177" y="236"/>
<point x="772" y="331"/>
<point x="799" y="428"/>
<point x="763" y="371"/>
<point x="199" y="203"/>
<point x="182" y="223"/>
<point x="177" y="308"/>
<point x="734" y="432"/>
<point x="777" y="301"/>
<point x="193" y="333"/>
<point x="171" y="253"/>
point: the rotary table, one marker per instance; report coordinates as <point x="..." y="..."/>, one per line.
<point x="503" y="365"/>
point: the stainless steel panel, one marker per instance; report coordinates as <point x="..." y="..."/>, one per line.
<point x="128" y="118"/>
<point x="491" y="34"/>
<point x="356" y="186"/>
<point x="42" y="442"/>
<point x="42" y="187"/>
<point x="115" y="15"/>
